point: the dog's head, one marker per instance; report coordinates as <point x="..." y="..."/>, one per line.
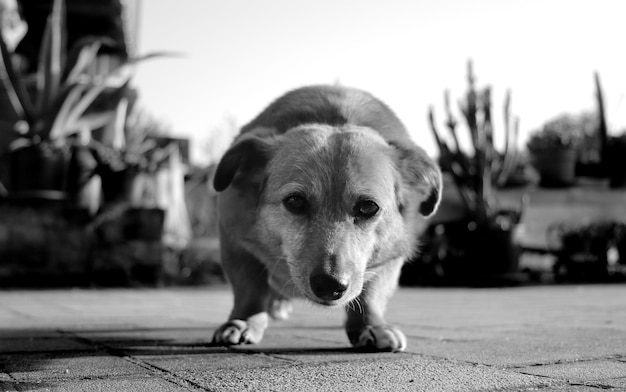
<point x="337" y="203"/>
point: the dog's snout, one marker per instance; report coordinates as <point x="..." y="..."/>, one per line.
<point x="327" y="287"/>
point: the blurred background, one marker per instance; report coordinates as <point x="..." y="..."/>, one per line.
<point x="240" y="55"/>
<point x="113" y="114"/>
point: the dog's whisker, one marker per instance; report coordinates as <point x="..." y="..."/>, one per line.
<point x="275" y="264"/>
<point x="287" y="283"/>
<point x="369" y="276"/>
<point x="273" y="268"/>
<point x="356" y="303"/>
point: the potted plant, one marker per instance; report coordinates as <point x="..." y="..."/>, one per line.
<point x="63" y="99"/>
<point x="138" y="178"/>
<point x="143" y="226"/>
<point x="121" y="162"/>
<point x="553" y="151"/>
<point x="483" y="241"/>
<point x="588" y="251"/>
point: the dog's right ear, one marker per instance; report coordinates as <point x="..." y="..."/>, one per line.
<point x="421" y="175"/>
<point x="248" y="156"/>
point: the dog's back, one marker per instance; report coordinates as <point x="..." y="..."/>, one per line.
<point x="331" y="105"/>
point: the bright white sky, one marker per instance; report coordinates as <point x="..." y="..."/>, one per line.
<point x="241" y="54"/>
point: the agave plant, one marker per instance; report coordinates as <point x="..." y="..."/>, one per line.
<point x="65" y="89"/>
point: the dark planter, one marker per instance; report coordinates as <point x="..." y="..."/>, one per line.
<point x="144" y="224"/>
<point x="556" y="166"/>
<point x="463" y="252"/>
<point x="621" y="248"/>
<point x="141" y="224"/>
<point x="616" y="162"/>
<point x="116" y="184"/>
<point x="479" y="250"/>
<point x="44" y="170"/>
<point x="82" y="166"/>
<point x="40" y="170"/>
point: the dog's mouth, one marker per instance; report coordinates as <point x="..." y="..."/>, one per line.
<point x="340" y="303"/>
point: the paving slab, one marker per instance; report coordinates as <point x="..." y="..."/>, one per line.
<point x="617" y="383"/>
<point x="135" y="384"/>
<point x="580" y="371"/>
<point x="404" y="372"/>
<point x="548" y="338"/>
<point x="66" y="366"/>
<point x="532" y="345"/>
<point x="54" y="342"/>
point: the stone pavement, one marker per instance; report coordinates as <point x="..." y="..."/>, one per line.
<point x="548" y="338"/>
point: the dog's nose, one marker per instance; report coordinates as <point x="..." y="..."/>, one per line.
<point x="327" y="287"/>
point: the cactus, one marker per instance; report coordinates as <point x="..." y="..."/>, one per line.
<point x="476" y="174"/>
<point x="602" y="124"/>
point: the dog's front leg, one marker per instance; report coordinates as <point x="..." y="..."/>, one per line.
<point x="248" y="278"/>
<point x="366" y="325"/>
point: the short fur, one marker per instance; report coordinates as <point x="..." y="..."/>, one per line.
<point x="298" y="188"/>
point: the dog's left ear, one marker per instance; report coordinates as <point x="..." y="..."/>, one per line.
<point x="248" y="156"/>
<point x="421" y="175"/>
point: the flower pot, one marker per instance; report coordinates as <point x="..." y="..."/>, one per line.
<point x="40" y="170"/>
<point x="556" y="167"/>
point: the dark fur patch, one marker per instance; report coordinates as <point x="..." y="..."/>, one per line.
<point x="401" y="207"/>
<point x="329" y="115"/>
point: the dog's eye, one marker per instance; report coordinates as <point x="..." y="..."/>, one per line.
<point x="296" y="204"/>
<point x="365" y="209"/>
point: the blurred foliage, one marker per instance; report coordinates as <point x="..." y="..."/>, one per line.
<point x="562" y="132"/>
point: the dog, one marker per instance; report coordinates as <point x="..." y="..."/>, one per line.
<point x="323" y="195"/>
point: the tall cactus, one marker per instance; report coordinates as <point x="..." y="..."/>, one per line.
<point x="602" y="124"/>
<point x="477" y="173"/>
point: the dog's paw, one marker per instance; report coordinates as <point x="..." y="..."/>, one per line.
<point x="378" y="338"/>
<point x="237" y="332"/>
<point x="280" y="308"/>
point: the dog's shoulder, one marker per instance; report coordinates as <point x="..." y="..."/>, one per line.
<point x="330" y="105"/>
